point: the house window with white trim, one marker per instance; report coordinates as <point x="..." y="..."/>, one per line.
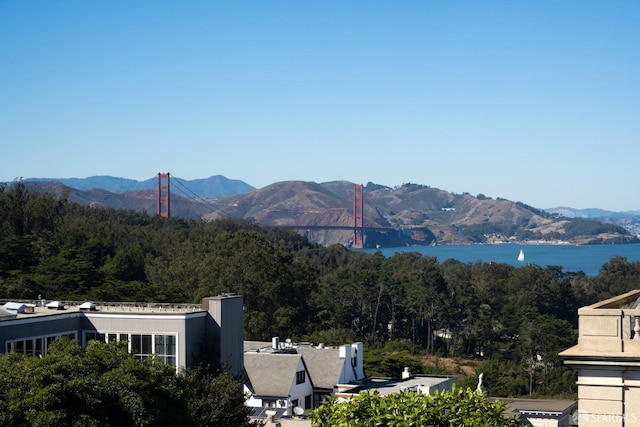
<point x="142" y="346"/>
<point x="35" y="346"/>
<point x="165" y="348"/>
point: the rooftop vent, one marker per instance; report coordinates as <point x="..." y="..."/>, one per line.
<point x="87" y="306"/>
<point x="19" y="307"/>
<point x="55" y="305"/>
<point x="7" y="315"/>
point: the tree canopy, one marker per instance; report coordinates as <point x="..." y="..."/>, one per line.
<point x="103" y="385"/>
<point x="459" y="407"/>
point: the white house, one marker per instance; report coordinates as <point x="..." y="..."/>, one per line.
<point x="329" y="370"/>
<point x="334" y="369"/>
<point x="277" y="380"/>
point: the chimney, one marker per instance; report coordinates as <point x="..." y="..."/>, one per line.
<point x="406" y="374"/>
<point x="225" y="327"/>
<point x="345" y="351"/>
<point x="357" y="353"/>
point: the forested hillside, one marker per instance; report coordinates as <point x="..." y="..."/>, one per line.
<point x="501" y="315"/>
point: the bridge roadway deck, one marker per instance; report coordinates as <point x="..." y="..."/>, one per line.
<point x="351" y="227"/>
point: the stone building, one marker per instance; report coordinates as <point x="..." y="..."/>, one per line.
<point x="607" y="358"/>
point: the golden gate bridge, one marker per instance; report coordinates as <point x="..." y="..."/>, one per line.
<point x="358" y="227"/>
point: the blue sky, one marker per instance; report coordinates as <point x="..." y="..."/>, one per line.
<point x="533" y="101"/>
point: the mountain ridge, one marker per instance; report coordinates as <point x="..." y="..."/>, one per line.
<point x="214" y="186"/>
<point x="590" y="212"/>
<point x="414" y="214"/>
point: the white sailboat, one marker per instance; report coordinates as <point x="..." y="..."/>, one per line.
<point x="521" y="256"/>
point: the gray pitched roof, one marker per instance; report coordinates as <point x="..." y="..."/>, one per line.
<point x="324" y="365"/>
<point x="271" y="374"/>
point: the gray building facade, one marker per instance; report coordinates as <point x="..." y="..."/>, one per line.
<point x="179" y="334"/>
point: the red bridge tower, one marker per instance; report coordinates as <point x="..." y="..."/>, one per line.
<point x="358" y="212"/>
<point x="164" y="199"/>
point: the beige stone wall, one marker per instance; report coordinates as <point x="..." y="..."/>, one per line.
<point x="607" y="358"/>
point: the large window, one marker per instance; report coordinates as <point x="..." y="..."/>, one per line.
<point x="165" y="348"/>
<point x="142" y="345"/>
<point x="35" y="346"/>
<point x="93" y="336"/>
<point x="300" y="377"/>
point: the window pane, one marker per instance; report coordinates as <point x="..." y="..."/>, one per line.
<point x="39" y="346"/>
<point x="136" y="344"/>
<point x="160" y="344"/>
<point x="165" y="345"/>
<point x="141" y="344"/>
<point x="171" y="345"/>
<point x="146" y="344"/>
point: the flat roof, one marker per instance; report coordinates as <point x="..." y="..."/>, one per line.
<point x="386" y="386"/>
<point x="40" y="308"/>
<point x="537" y="406"/>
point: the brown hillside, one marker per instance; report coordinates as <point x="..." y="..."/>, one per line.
<point x="447" y="218"/>
<point x="410" y="214"/>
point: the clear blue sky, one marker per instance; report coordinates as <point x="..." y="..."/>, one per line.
<point x="533" y="101"/>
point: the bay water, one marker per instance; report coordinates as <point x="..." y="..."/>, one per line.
<point x="572" y="258"/>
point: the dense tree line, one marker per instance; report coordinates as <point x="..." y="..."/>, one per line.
<point x="103" y="385"/>
<point x="293" y="288"/>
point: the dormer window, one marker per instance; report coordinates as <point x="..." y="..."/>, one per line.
<point x="300" y="377"/>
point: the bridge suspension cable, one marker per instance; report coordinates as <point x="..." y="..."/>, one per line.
<point x="191" y="195"/>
